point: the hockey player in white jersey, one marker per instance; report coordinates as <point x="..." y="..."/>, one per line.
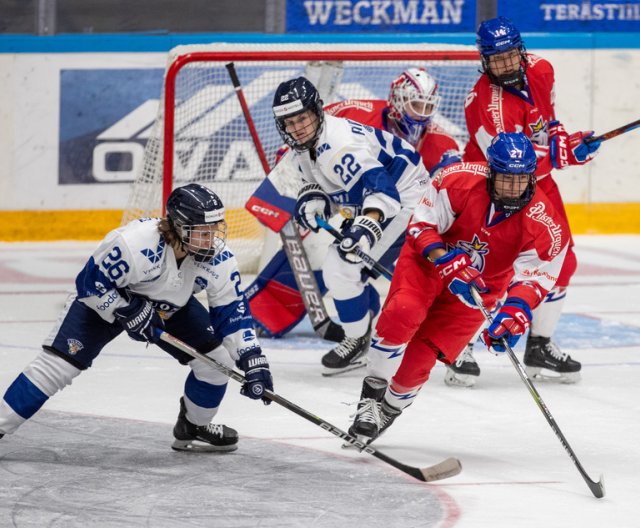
<point x="373" y="179"/>
<point x="142" y="279"/>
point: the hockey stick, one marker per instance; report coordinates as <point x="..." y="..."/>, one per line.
<point x="291" y="241"/>
<point x="445" y="469"/>
<point x="597" y="488"/>
<point x="368" y="261"/>
<point x="613" y="133"/>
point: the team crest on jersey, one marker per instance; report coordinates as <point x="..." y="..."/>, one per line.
<point x="154" y="256"/>
<point x="476" y="251"/>
<point x="538" y="132"/>
<point x="74" y="346"/>
<point x="322" y="148"/>
<point x="219" y="259"/>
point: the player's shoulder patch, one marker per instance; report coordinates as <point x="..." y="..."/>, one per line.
<point x="461" y="170"/>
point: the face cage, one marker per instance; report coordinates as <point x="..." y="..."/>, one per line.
<point x="510" y="205"/>
<point x="508" y="79"/>
<point x="410" y="127"/>
<point x="218" y="239"/>
<point x="290" y="140"/>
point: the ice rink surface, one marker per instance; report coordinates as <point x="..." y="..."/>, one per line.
<point x="99" y="454"/>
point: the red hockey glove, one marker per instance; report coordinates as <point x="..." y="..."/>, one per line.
<point x="510" y="323"/>
<point x="566" y="150"/>
<point x="460" y="276"/>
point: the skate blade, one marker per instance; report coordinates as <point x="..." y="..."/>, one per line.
<point x="550" y="376"/>
<point x="364" y="439"/>
<point x="195" y="446"/>
<point x="329" y="372"/>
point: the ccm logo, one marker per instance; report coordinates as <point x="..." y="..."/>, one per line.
<point x="265" y="211"/>
<point x="450" y="268"/>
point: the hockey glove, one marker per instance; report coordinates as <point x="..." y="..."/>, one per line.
<point x="566" y="150"/>
<point x="510" y="323"/>
<point x="459" y="276"/>
<point x="312" y="201"/>
<point x="257" y="375"/>
<point x="140" y="320"/>
<point x="364" y="233"/>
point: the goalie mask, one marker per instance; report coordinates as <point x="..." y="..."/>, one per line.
<point x="196" y="214"/>
<point x="504" y="57"/>
<point x="412" y="103"/>
<point x="512" y="163"/>
<point x="299" y="114"/>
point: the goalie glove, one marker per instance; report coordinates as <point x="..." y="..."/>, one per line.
<point x="312" y="201"/>
<point x="364" y="233"/>
<point x="459" y="276"/>
<point x="567" y="150"/>
<point x="510" y="323"/>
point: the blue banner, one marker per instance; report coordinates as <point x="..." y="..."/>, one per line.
<point x="585" y="16"/>
<point x="105" y="119"/>
<point x="380" y="16"/>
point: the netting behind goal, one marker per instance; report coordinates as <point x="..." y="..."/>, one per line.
<point x="200" y="134"/>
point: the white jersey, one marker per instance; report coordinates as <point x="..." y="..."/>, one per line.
<point x="361" y="167"/>
<point x="134" y="259"/>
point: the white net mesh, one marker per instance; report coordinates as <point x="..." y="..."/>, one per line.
<point x="210" y="138"/>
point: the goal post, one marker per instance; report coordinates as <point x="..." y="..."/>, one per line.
<point x="200" y="135"/>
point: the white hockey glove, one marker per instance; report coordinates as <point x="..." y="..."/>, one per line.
<point x="364" y="233"/>
<point x="312" y="201"/>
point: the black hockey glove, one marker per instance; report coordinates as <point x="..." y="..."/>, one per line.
<point x="140" y="320"/>
<point x="364" y="233"/>
<point x="257" y="375"/>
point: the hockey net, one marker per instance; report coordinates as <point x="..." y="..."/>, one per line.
<point x="200" y="134"/>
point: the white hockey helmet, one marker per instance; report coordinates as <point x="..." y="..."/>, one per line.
<point x="413" y="100"/>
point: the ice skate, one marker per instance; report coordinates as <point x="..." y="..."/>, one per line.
<point x="545" y="361"/>
<point x="202" y="438"/>
<point x="464" y="371"/>
<point x="367" y="418"/>
<point x="348" y="355"/>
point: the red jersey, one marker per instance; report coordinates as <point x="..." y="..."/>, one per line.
<point x="490" y="109"/>
<point x="525" y="250"/>
<point x="433" y="144"/>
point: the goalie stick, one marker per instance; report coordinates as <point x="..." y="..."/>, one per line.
<point x="291" y="241"/>
<point x="368" y="261"/>
<point x="614" y="133"/>
<point x="597" y="488"/>
<point x="445" y="469"/>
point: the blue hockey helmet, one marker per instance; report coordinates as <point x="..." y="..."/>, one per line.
<point x="293" y="98"/>
<point x="496" y="36"/>
<point x="196" y="214"/>
<point x="511" y="155"/>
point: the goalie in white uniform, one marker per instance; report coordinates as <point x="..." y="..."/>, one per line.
<point x="373" y="178"/>
<point x="142" y="279"/>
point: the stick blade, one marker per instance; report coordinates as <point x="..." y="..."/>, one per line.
<point x="597" y="488"/>
<point x="443" y="470"/>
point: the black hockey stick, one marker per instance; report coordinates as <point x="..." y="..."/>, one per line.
<point x="368" y="260"/>
<point x="291" y="241"/>
<point x="597" y="488"/>
<point x="445" y="469"/>
<point x="614" y="133"/>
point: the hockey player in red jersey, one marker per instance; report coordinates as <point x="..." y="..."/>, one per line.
<point x="516" y="93"/>
<point x="408" y="114"/>
<point x="482" y="225"/>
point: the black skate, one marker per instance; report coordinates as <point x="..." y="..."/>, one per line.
<point x="202" y="438"/>
<point x="388" y="414"/>
<point x="348" y="355"/>
<point x="367" y="418"/>
<point x="545" y="361"/>
<point x="464" y="371"/>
